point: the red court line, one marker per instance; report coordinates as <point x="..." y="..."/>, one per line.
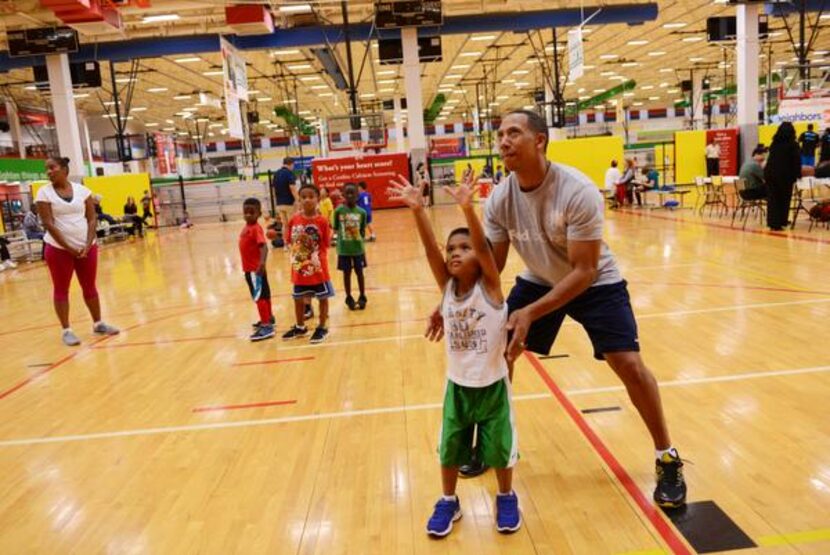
<point x="69" y="357"/>
<point x="246" y="406"/>
<point x="164" y="341"/>
<point x="276" y="361"/>
<point x="769" y="233"/>
<point x="658" y="521"/>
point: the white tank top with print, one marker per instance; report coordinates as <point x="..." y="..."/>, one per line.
<point x="475" y="335"/>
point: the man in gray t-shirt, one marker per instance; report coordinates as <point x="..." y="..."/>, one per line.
<point x="553" y="215"/>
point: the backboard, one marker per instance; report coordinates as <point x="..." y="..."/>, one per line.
<point x="362" y="132"/>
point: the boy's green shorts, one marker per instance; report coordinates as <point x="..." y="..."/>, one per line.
<point x="491" y="408"/>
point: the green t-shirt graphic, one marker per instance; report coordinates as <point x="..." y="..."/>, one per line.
<point x="350" y="224"/>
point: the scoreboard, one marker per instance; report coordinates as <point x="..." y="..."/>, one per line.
<point x="407" y="13"/>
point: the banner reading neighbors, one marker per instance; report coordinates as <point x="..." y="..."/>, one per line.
<point x="376" y="170"/>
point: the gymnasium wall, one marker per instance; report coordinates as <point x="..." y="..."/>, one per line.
<point x="114" y="190"/>
<point x="690" y="147"/>
<point x="591" y="156"/>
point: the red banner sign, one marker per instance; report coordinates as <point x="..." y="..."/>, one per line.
<point x="727" y="140"/>
<point x="376" y="170"/>
<point x="447" y="147"/>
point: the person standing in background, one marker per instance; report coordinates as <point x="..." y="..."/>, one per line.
<point x="712" y="158"/>
<point x="781" y="172"/>
<point x="808" y="141"/>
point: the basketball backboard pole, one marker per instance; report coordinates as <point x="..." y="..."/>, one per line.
<point x="349" y="63"/>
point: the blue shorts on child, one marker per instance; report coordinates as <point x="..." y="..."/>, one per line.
<point x="323" y="290"/>
<point x="346" y="263"/>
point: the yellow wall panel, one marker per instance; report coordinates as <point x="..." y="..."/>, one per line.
<point x="592" y="156"/>
<point x="690" y="149"/>
<point x="114" y="190"/>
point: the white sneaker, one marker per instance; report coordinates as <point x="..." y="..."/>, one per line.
<point x="105" y="329"/>
<point x="70" y="339"/>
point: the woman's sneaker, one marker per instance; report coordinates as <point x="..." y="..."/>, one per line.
<point x="70" y="339"/>
<point x="508" y="517"/>
<point x="319" y="335"/>
<point x="102" y="328"/>
<point x="295" y="332"/>
<point x="262" y="332"/>
<point x="445" y="513"/>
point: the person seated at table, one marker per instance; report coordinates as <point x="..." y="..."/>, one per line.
<point x="99" y="210"/>
<point x="625" y="186"/>
<point x="752" y="172"/>
<point x="131" y="215"/>
<point x="650" y="182"/>
<point x="31" y="225"/>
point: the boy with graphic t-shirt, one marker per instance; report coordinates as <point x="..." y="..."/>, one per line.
<point x="350" y="227"/>
<point x="308" y="237"/>
<point x="253" y="250"/>
<point x="478" y="389"/>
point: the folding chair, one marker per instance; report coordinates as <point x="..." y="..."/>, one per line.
<point x="747" y="206"/>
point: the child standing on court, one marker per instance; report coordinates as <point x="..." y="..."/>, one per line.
<point x="350" y="226"/>
<point x="478" y="389"/>
<point x="308" y="237"/>
<point x="253" y="249"/>
<point x="364" y="200"/>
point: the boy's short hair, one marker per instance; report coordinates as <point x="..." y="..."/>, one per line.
<point x="251" y="201"/>
<point x="466" y="231"/>
<point x="350" y="184"/>
<point x="309" y="186"/>
<point x="362" y="185"/>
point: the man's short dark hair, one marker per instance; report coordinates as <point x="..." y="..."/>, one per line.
<point x="760" y="149"/>
<point x="287" y="161"/>
<point x="251" y="201"/>
<point x="535" y="121"/>
<point x="809" y="127"/>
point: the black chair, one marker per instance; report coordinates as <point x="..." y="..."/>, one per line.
<point x="747" y="206"/>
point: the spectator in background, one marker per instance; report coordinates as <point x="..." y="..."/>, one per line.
<point x="624" y="186"/>
<point x="99" y="210"/>
<point x="612" y="175"/>
<point x="31" y="225"/>
<point x="422" y="182"/>
<point x="499" y="176"/>
<point x="824" y="143"/>
<point x="712" y="159"/>
<point x="467" y="173"/>
<point x="284" y="184"/>
<point x="651" y="183"/>
<point x="808" y="141"/>
<point x="131" y="215"/>
<point x="146" y="203"/>
<point x="780" y="174"/>
<point x="6" y="262"/>
<point x="752" y="172"/>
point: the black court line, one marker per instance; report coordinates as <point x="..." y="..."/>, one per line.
<point x="600" y="409"/>
<point x="708" y="529"/>
<point x="39" y="365"/>
<point x="546" y="357"/>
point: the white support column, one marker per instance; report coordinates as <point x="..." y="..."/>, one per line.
<point x="697" y="100"/>
<point x="14" y="127"/>
<point x="66" y="116"/>
<point x="414" y="98"/>
<point x="87" y="139"/>
<point x="548" y="105"/>
<point x="748" y="52"/>
<point x="400" y="144"/>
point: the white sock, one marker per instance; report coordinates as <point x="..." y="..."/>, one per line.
<point x="658" y="453"/>
<point x="67" y="330"/>
<point x="505" y="494"/>
<point x="450" y="497"/>
<point x="98" y="323"/>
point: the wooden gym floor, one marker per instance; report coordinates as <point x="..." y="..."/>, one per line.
<point x="180" y="436"/>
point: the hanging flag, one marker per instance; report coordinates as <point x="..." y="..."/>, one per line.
<point x="236" y="87"/>
<point x="576" y="56"/>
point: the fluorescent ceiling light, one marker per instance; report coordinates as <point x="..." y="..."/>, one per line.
<point x="190" y="109"/>
<point x="522" y="84"/>
<point x="692" y="39"/>
<point x="157" y="89"/>
<point x="214" y="125"/>
<point x="637" y="42"/>
<point x="587" y="67"/>
<point x="304" y="112"/>
<point x="666" y="70"/>
<point x="80" y="95"/>
<point x="367" y="95"/>
<point x="630" y="64"/>
<point x="30" y="88"/>
<point x="470" y="54"/>
<point x="675" y="25"/>
<point x="697" y="59"/>
<point x="452" y="76"/>
<point x="325" y="94"/>
<point x="318" y="87"/>
<point x="215" y="72"/>
<point x="310" y="78"/>
<point x="187" y="60"/>
<point x="182" y="97"/>
<point x="636" y="103"/>
<point x="123" y="80"/>
<point x="299" y="67"/>
<point x="266" y="121"/>
<point x="654" y="98"/>
<point x="390" y="72"/>
<point x="296" y="8"/>
<point x="520" y="72"/>
<point x="284" y="52"/>
<point x="628" y="94"/>
<point x="584" y="97"/>
<point x="264" y="99"/>
<point x="657" y="53"/>
<point x="599" y="90"/>
<point x="109" y="102"/>
<point x="663" y="85"/>
<point x="609" y="56"/>
<point x="386" y="81"/>
<point x="139" y="109"/>
<point x="151" y="125"/>
<point x="386" y="90"/>
<point x="483" y="37"/>
<point x="502" y="97"/>
<point x="647" y="87"/>
<point x="462" y="66"/>
<point x="159" y="18"/>
<point x="508" y="80"/>
<point x="607" y="73"/>
<point x="170" y="121"/>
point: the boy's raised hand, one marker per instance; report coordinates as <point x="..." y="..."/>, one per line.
<point x="465" y="192"/>
<point x="401" y="189"/>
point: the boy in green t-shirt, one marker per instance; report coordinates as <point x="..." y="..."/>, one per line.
<point x="350" y="224"/>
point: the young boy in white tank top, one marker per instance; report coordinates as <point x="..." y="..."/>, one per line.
<point x="478" y="388"/>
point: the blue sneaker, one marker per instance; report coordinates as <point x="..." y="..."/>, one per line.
<point x="508" y="517"/>
<point x="446" y="512"/>
<point x="262" y="332"/>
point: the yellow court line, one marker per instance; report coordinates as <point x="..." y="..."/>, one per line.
<point x="808" y="536"/>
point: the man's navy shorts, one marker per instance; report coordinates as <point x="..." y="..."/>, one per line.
<point x="603" y="310"/>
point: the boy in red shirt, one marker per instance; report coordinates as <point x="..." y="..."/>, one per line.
<point x="308" y="238"/>
<point x="254" y="252"/>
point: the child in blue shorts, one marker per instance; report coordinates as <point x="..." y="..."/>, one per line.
<point x="478" y="389"/>
<point x="364" y="200"/>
